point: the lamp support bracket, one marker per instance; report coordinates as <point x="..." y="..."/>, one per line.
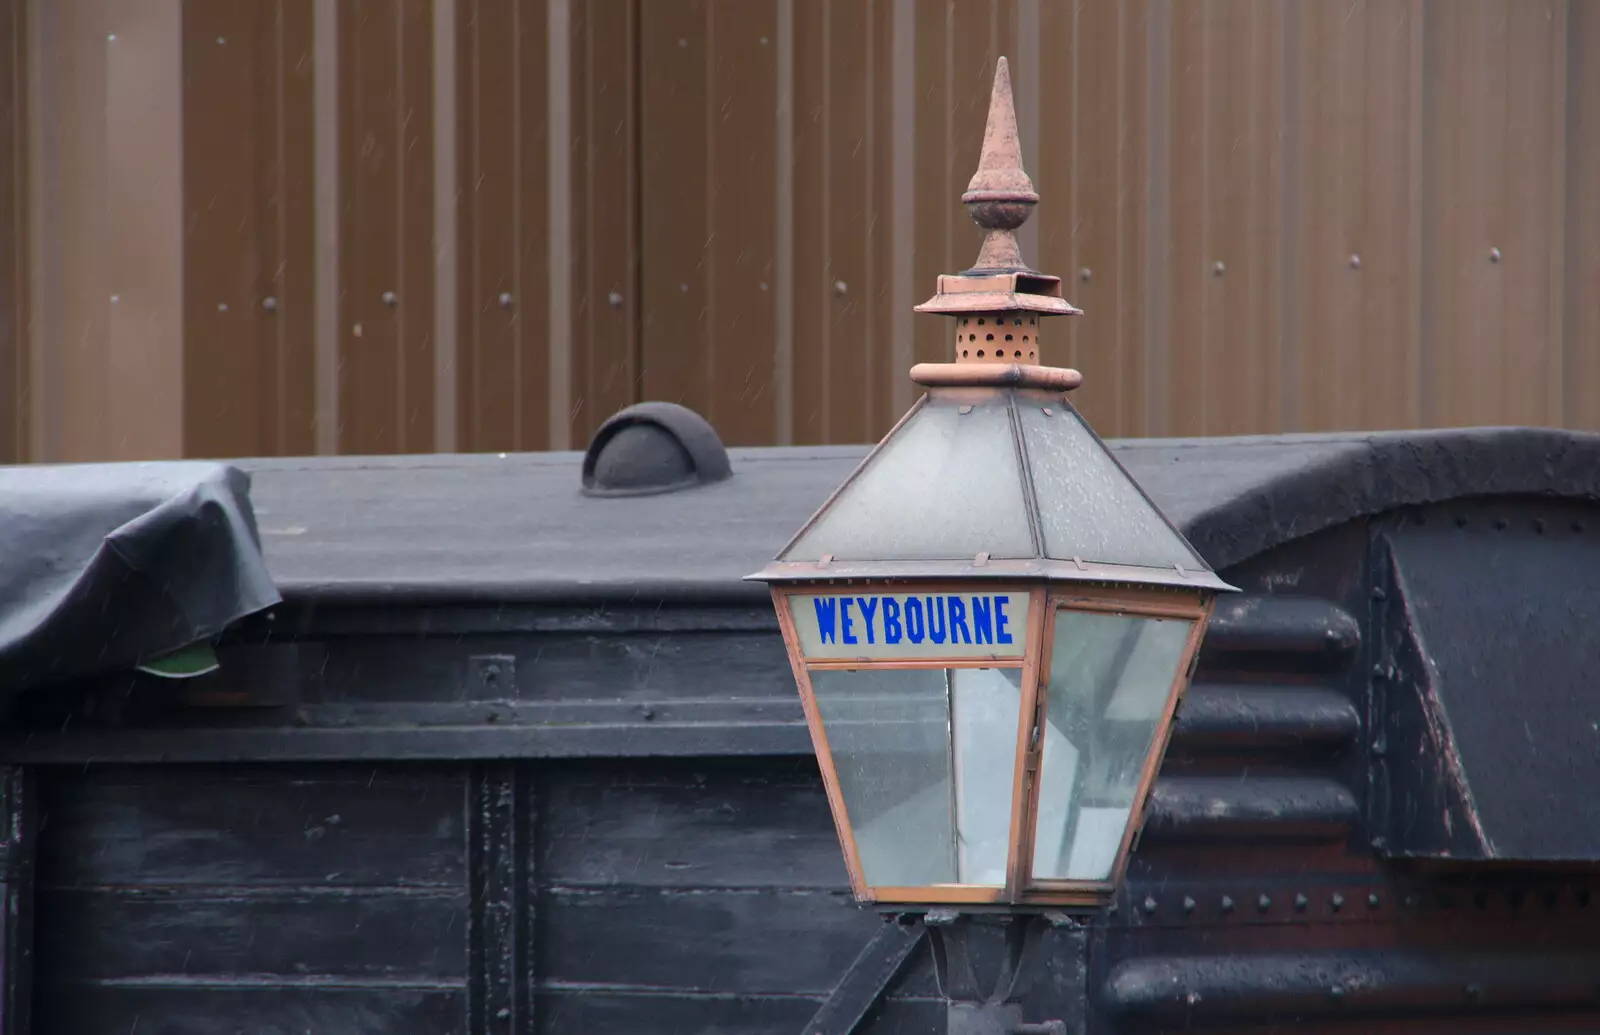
<point x="970" y="1010"/>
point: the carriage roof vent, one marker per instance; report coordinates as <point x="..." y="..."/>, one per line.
<point x="652" y="448"/>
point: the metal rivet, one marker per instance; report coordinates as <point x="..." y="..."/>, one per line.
<point x="683" y="288"/>
<point x="1300" y="903"/>
<point x="389" y="298"/>
<point x="115" y="299"/>
<point x="222" y="41"/>
<point x="1085" y="274"/>
<point x="1263" y="904"/>
<point x="615" y="298"/>
<point x="1188" y="904"/>
<point x="762" y="285"/>
<point x="1219" y="268"/>
<point x="763" y="41"/>
<point x="505" y="300"/>
<point x="1227" y="903"/>
<point x="840" y="287"/>
<point x="1494" y="255"/>
<point x="111" y="37"/>
<point x="270" y="304"/>
<point x="222" y="307"/>
<point x="1355" y="262"/>
<point x="1372" y="901"/>
<point x="1149" y="905"/>
<point x="683" y="43"/>
<point x="1336" y="901"/>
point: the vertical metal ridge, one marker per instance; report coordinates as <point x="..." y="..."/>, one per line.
<point x="1554" y="388"/>
<point x="519" y="326"/>
<point x="902" y="238"/>
<point x="558" y="144"/>
<point x="402" y="424"/>
<point x="783" y="346"/>
<point x="1290" y="173"/>
<point x="1158" y="238"/>
<point x="325" y="218"/>
<point x="445" y="284"/>
<point x="1029" y="19"/>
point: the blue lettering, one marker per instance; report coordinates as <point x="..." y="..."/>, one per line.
<point x="914" y="628"/>
<point x="891" y="620"/>
<point x="936" y="606"/>
<point x="981" y="625"/>
<point x="826" y="613"/>
<point x="846" y="626"/>
<point x="1000" y="620"/>
<point x="958" y="622"/>
<point x="869" y="607"/>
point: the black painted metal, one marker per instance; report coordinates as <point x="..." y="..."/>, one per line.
<point x="602" y="816"/>
<point x="864" y="984"/>
<point x="651" y="448"/>
<point x="1491" y="722"/>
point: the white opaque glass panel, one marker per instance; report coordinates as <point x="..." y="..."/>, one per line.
<point x="1110" y="676"/>
<point x="985" y="709"/>
<point x="947" y="485"/>
<point x="889" y="733"/>
<point x="1088" y="506"/>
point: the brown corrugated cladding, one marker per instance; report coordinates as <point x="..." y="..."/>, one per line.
<point x="247" y="256"/>
<point x="15" y="404"/>
<point x="504" y="301"/>
<point x="605" y="197"/>
<point x="1580" y="372"/>
<point x="1276" y="216"/>
<point x="386" y="347"/>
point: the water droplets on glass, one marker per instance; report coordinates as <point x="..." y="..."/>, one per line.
<point x="945" y="486"/>
<point x="1088" y="507"/>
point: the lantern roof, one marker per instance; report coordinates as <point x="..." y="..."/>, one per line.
<point x="1011" y="484"/>
<point x="993" y="473"/>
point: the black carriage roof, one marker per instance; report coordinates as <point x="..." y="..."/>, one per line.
<point x="515" y="527"/>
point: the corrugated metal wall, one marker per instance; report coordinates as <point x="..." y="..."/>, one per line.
<point x="407" y="225"/>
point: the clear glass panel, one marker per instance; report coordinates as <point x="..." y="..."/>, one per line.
<point x="921" y="754"/>
<point x="1088" y="507"/>
<point x="1108" y="685"/>
<point x="946" y="486"/>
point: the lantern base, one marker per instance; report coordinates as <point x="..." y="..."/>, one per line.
<point x="970" y="1011"/>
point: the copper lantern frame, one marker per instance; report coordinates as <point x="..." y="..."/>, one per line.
<point x="997" y="305"/>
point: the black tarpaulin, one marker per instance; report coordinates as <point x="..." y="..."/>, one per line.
<point x="105" y="566"/>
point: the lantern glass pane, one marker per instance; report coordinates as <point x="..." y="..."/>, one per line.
<point x="923" y="759"/>
<point x="947" y="485"/>
<point x="1109" y="681"/>
<point x="1088" y="506"/>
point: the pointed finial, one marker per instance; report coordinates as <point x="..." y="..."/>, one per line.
<point x="1000" y="196"/>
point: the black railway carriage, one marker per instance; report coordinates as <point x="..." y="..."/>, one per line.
<point x="512" y="757"/>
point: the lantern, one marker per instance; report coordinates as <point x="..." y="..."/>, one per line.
<point x="989" y="623"/>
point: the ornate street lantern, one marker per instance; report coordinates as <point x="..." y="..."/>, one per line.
<point x="989" y="622"/>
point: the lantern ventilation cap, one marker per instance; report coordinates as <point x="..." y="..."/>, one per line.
<point x="999" y="301"/>
<point x="653" y="448"/>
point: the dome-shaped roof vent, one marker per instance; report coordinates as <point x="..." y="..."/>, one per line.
<point x="651" y="448"/>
